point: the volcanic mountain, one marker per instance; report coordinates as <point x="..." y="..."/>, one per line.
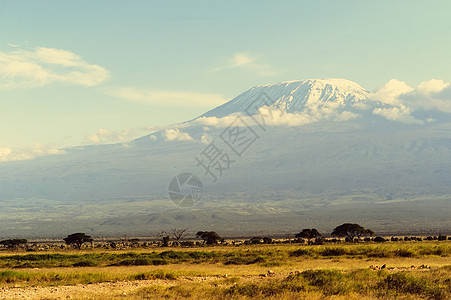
<point x="296" y="96"/>
<point x="275" y="159"/>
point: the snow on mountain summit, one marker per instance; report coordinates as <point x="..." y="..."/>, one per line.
<point x="296" y="96"/>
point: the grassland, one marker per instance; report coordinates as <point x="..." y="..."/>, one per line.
<point x="282" y="271"/>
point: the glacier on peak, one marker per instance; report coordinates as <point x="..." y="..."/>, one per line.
<point x="296" y="96"/>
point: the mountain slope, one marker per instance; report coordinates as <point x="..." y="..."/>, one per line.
<point x="364" y="169"/>
<point x="295" y="96"/>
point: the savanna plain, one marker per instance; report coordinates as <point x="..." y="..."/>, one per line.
<point x="364" y="270"/>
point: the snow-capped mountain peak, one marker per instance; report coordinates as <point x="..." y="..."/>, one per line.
<point x="295" y="96"/>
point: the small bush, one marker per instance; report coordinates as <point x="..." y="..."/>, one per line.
<point x="11" y="276"/>
<point x="403" y="283"/>
<point x="174" y="254"/>
<point x="202" y="254"/>
<point x="379" y="239"/>
<point x="158" y="262"/>
<point x="300" y="252"/>
<point x="404" y="253"/>
<point x="154" y="275"/>
<point x="85" y="263"/>
<point x="330" y="282"/>
<point x="333" y="251"/>
<point x="321" y="278"/>
<point x="135" y="262"/>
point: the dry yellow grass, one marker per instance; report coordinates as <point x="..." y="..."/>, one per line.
<point x="215" y="278"/>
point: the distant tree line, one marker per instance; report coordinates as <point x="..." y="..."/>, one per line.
<point x="351" y="232"/>
<point x="13" y="243"/>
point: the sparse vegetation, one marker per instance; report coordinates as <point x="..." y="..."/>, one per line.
<point x="353" y="284"/>
<point x="378" y="267"/>
<point x="296" y="271"/>
<point x="226" y="255"/>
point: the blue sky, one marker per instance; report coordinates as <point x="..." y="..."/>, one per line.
<point x="86" y="72"/>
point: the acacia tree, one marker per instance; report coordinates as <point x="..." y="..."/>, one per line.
<point x="351" y="231"/>
<point x="78" y="239"/>
<point x="13" y="243"/>
<point x="209" y="237"/>
<point x="178" y="234"/>
<point x="308" y="234"/>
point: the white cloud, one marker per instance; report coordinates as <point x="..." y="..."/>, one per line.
<point x="105" y="136"/>
<point x="216" y="122"/>
<point x="241" y="60"/>
<point x="276" y="117"/>
<point x="206" y="139"/>
<point x="36" y="150"/>
<point x="4" y="153"/>
<point x="42" y="66"/>
<point x="428" y="95"/>
<point x="401" y="100"/>
<point x="174" y="134"/>
<point x="346" y="116"/>
<point x="57" y="57"/>
<point x="166" y="98"/>
<point x="390" y="92"/>
<point x="399" y="113"/>
<point x="432" y="86"/>
<point x="246" y="61"/>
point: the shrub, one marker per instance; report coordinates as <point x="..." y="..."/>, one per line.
<point x="202" y="254"/>
<point x="404" y="253"/>
<point x="85" y="263"/>
<point x="330" y="282"/>
<point x="300" y="252"/>
<point x="333" y="251"/>
<point x="174" y="254"/>
<point x="379" y="239"/>
<point x="154" y="275"/>
<point x="321" y="277"/>
<point x="135" y="262"/>
<point x="403" y="283"/>
<point x="245" y="260"/>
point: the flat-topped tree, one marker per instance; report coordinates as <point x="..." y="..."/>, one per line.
<point x="209" y="237"/>
<point x="78" y="239"/>
<point x="351" y="231"/>
<point x="308" y="234"/>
